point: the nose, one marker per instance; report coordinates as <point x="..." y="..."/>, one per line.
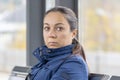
<point x="52" y="34"/>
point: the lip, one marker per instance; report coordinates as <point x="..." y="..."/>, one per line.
<point x="52" y="43"/>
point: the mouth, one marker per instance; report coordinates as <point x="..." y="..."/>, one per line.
<point x="52" y="43"/>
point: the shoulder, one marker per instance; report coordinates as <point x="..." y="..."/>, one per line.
<point x="75" y="63"/>
<point x="74" y="68"/>
<point x="77" y="59"/>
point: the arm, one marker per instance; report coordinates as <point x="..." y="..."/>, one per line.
<point x="72" y="69"/>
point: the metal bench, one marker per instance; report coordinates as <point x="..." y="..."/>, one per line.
<point x="20" y="73"/>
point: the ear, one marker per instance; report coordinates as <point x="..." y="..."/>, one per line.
<point x="74" y="33"/>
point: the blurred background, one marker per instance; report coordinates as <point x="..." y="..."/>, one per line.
<point x="99" y="29"/>
<point x="12" y="35"/>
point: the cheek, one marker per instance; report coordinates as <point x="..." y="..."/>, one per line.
<point x="44" y="36"/>
<point x="66" y="38"/>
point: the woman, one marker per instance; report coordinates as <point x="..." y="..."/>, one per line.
<point x="62" y="57"/>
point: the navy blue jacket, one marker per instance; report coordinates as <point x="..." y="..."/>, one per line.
<point x="58" y="64"/>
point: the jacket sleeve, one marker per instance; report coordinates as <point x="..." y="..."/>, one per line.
<point x="72" y="69"/>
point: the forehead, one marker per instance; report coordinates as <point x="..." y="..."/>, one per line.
<point x="54" y="16"/>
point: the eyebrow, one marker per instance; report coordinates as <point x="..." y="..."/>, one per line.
<point x="59" y="24"/>
<point x="45" y="23"/>
<point x="55" y="24"/>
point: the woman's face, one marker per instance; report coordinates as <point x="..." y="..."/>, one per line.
<point x="56" y="31"/>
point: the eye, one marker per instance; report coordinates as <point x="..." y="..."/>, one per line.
<point x="46" y="28"/>
<point x="59" y="28"/>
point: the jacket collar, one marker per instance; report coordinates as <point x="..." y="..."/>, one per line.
<point x="45" y="54"/>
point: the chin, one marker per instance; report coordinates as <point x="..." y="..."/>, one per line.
<point x="53" y="47"/>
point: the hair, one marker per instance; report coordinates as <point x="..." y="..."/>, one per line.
<point x="73" y="22"/>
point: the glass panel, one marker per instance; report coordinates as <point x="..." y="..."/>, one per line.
<point x="50" y="4"/>
<point x="12" y="34"/>
<point x="99" y="33"/>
